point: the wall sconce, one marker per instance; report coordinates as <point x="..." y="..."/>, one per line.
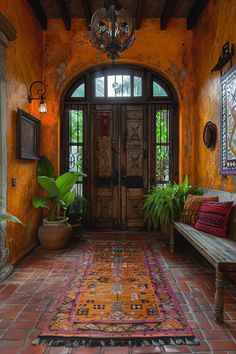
<point x="37" y="91"/>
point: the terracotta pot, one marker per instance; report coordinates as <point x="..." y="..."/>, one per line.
<point x="55" y="235"/>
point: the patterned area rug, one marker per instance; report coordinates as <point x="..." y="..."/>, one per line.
<point x="117" y="295"/>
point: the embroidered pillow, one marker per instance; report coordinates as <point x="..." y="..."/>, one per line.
<point x="213" y="217"/>
<point x="192" y="207"/>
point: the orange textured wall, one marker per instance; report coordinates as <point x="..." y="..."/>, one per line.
<point x="216" y="26"/>
<point x="69" y="53"/>
<point x="24" y="65"/>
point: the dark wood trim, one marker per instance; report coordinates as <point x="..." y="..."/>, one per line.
<point x="39" y="13"/>
<point x="166" y="13"/>
<point x="7" y="28"/>
<point x="195" y="13"/>
<point x="64" y="13"/>
<point x="87" y="11"/>
<point x="138" y="14"/>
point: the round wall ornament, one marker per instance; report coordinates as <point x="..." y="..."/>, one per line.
<point x="210" y="135"/>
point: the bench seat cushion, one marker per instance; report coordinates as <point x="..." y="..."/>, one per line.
<point x="220" y="252"/>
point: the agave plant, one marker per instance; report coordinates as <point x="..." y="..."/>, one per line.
<point x="57" y="190"/>
<point x="164" y="204"/>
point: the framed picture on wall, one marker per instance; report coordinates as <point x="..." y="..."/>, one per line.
<point x="228" y="123"/>
<point x="28" y="136"/>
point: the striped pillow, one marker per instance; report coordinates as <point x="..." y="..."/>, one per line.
<point x="192" y="207"/>
<point x="213" y="217"/>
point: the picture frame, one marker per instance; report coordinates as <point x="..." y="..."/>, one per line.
<point x="228" y="123"/>
<point x="27" y="136"/>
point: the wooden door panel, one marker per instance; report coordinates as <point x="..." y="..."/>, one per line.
<point x="104" y="209"/>
<point x="135" y="214"/>
<point x="104" y="217"/>
<point x="134" y="162"/>
<point x="135" y="146"/>
<point x="134" y="132"/>
<point x="119" y="140"/>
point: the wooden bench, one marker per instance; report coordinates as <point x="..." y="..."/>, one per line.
<point x="220" y="252"/>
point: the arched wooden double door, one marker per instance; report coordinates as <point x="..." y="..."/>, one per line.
<point x="119" y="165"/>
<point x="129" y="142"/>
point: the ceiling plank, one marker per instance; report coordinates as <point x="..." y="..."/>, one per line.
<point x="87" y="11"/>
<point x="64" y="13"/>
<point x="39" y="13"/>
<point x="166" y="13"/>
<point x="195" y="13"/>
<point x="138" y="14"/>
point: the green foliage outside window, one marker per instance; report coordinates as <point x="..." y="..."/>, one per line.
<point x="162" y="144"/>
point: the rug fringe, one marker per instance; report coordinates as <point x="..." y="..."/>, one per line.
<point x="75" y="342"/>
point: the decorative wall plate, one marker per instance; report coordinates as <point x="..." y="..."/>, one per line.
<point x="210" y="135"/>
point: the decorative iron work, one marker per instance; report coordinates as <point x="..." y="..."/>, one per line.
<point x="224" y="58"/>
<point x="112" y="29"/>
<point x="37" y="91"/>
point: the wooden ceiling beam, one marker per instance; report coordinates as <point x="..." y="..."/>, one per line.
<point x="39" y="13"/>
<point x="61" y="4"/>
<point x="87" y="11"/>
<point x="195" y="13"/>
<point x="166" y="13"/>
<point x="138" y="14"/>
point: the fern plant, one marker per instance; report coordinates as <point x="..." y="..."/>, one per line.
<point x="165" y="203"/>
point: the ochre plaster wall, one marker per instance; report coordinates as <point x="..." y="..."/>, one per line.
<point x="24" y="65"/>
<point x="69" y="53"/>
<point x="216" y="26"/>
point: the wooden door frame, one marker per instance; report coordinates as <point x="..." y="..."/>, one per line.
<point x="89" y="100"/>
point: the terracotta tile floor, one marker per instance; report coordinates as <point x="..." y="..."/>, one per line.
<point x="27" y="298"/>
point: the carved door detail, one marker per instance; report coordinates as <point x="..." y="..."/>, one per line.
<point x="119" y="166"/>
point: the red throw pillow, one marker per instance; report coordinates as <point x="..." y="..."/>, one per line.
<point x="192" y="207"/>
<point x="213" y="217"/>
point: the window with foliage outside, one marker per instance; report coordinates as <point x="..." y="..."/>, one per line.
<point x="76" y="145"/>
<point x="162" y="146"/>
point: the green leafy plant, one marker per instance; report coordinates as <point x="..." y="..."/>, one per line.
<point x="164" y="204"/>
<point x="57" y="189"/>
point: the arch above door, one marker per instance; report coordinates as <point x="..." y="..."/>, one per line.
<point x="120" y="126"/>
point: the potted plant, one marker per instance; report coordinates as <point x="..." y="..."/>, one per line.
<point x="77" y="213"/>
<point x="55" y="232"/>
<point x="164" y="203"/>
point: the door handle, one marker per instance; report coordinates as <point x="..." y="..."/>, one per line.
<point x="123" y="177"/>
<point x="115" y="178"/>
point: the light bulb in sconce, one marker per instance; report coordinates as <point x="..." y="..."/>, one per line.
<point x="42" y="107"/>
<point x="37" y="91"/>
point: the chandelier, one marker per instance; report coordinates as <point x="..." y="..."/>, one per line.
<point x="112" y="29"/>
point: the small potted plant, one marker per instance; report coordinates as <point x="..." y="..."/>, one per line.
<point x="164" y="203"/>
<point x="55" y="233"/>
<point x="77" y="213"/>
